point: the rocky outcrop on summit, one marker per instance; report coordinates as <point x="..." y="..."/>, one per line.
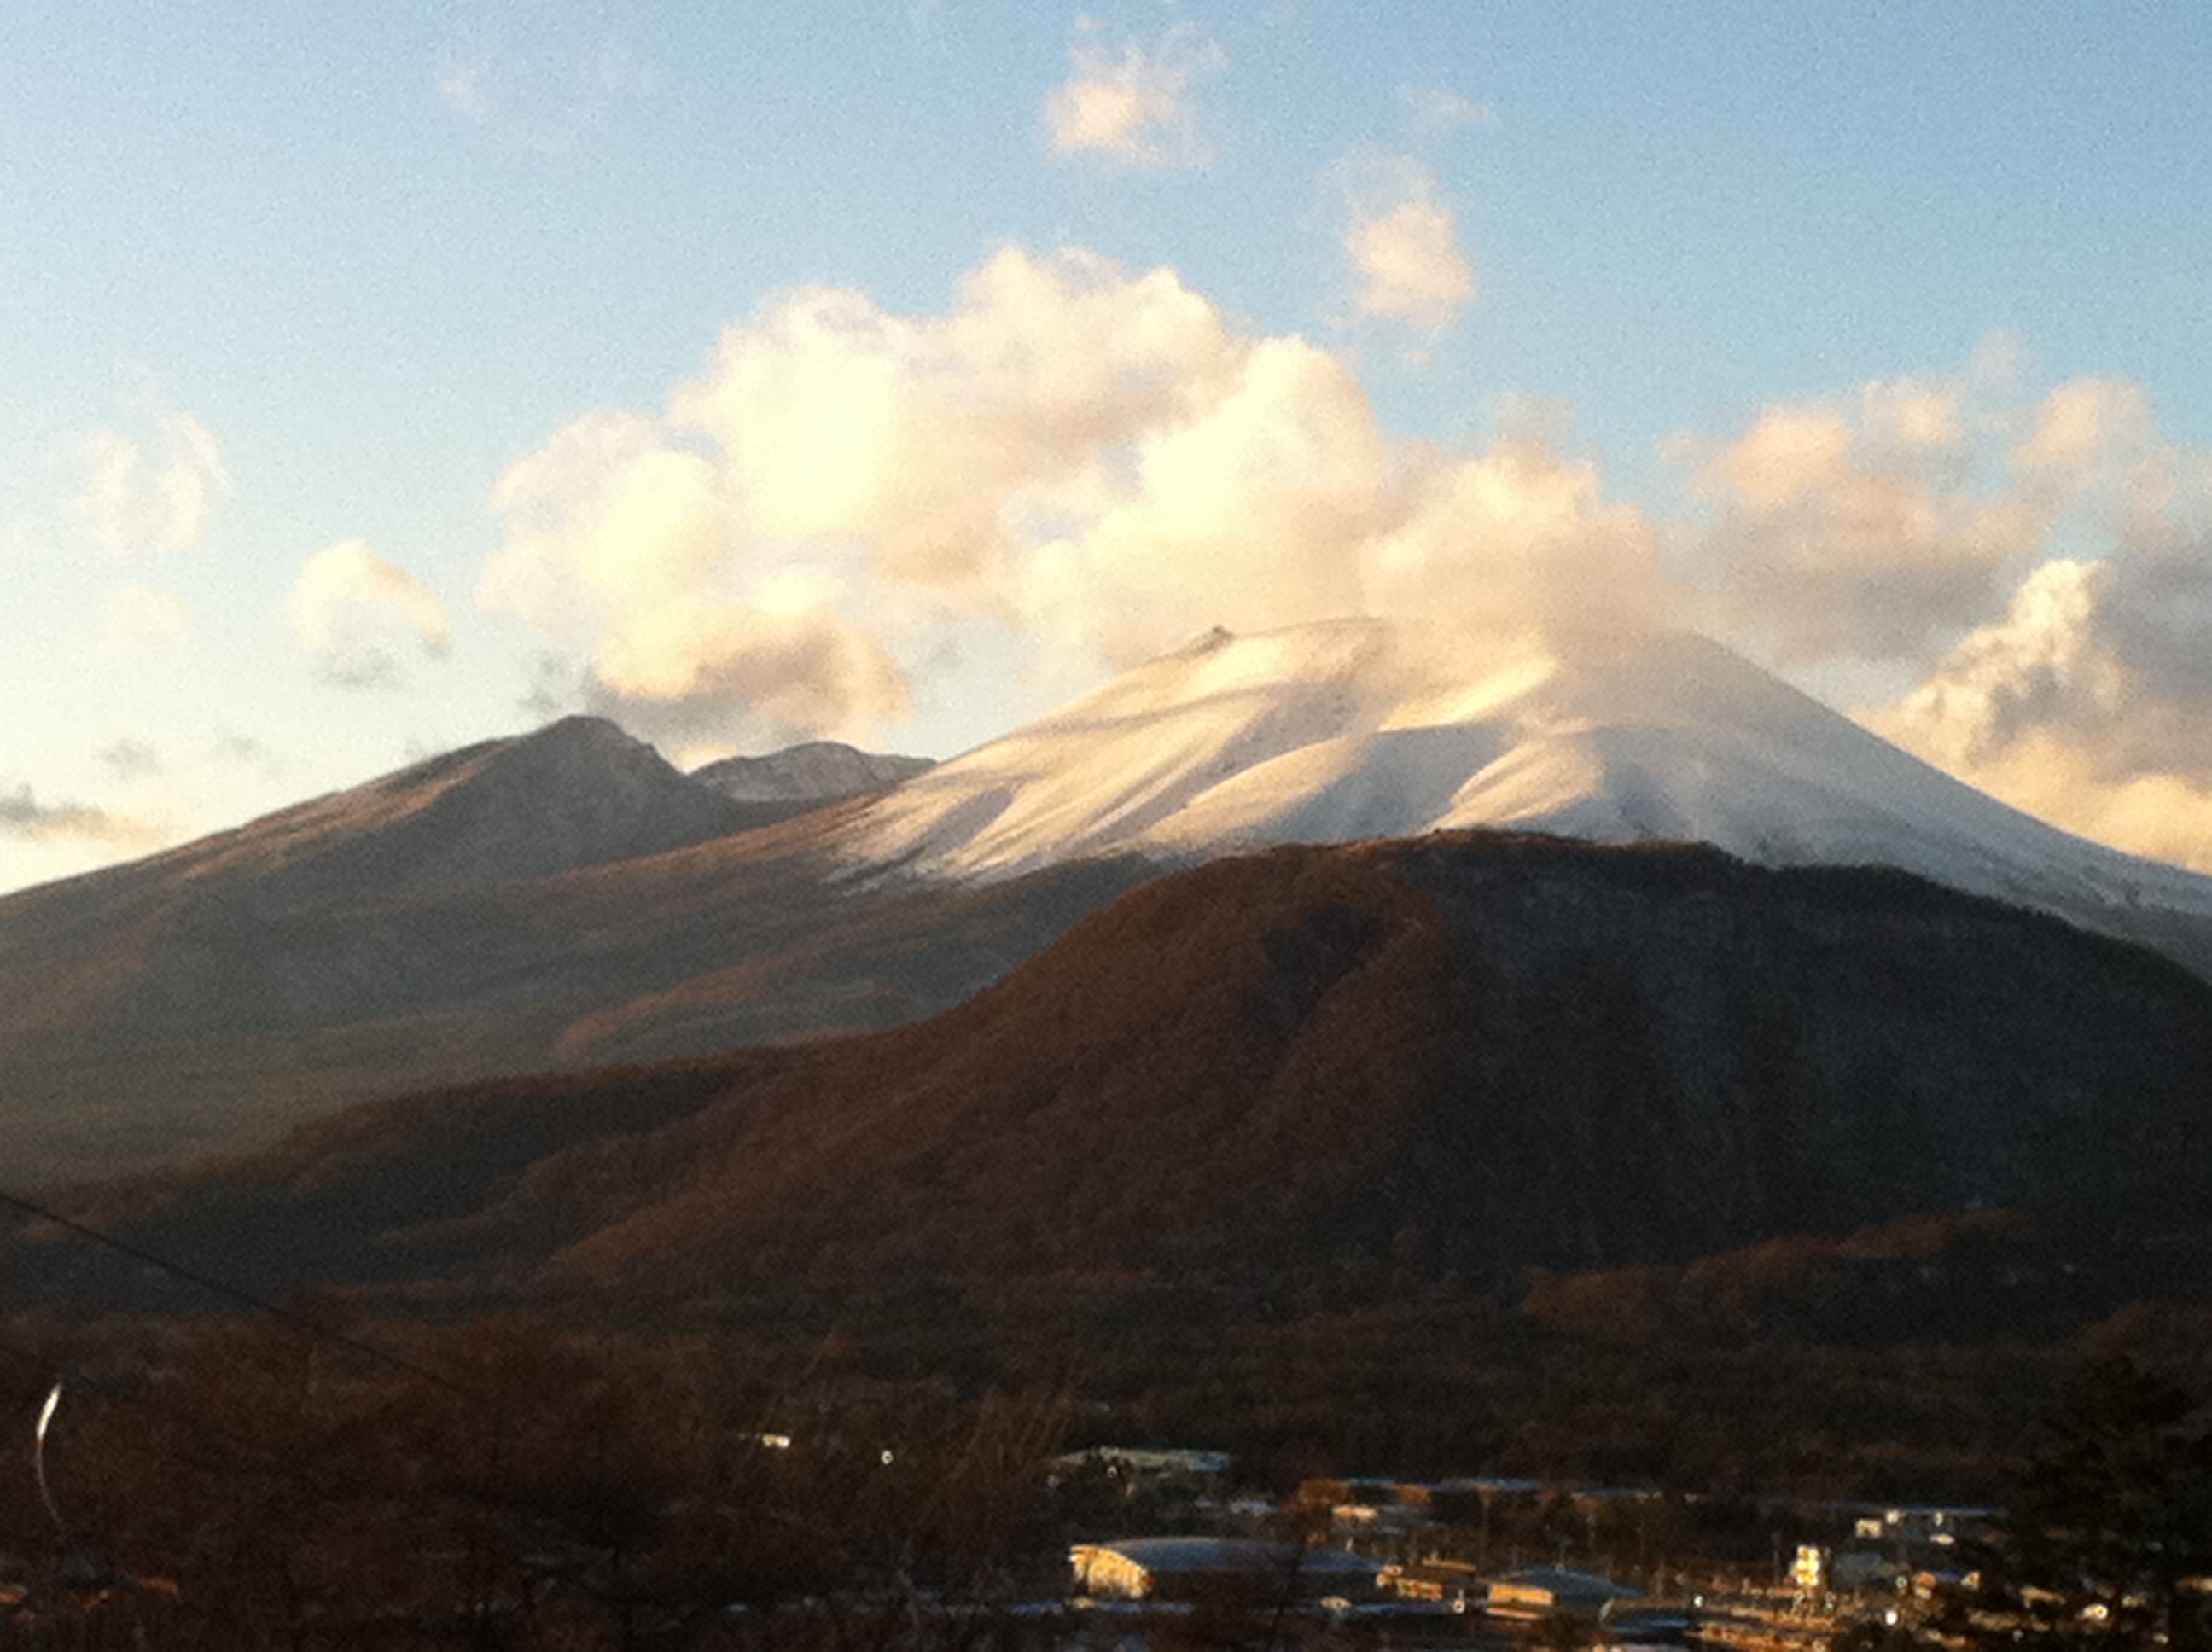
<point x="818" y="771"/>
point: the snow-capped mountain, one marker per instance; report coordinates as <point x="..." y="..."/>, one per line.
<point x="568" y="897"/>
<point x="1347" y="730"/>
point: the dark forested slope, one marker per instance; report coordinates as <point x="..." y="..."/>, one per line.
<point x="1460" y="1057"/>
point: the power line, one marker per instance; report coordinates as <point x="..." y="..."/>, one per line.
<point x="297" y="1321"/>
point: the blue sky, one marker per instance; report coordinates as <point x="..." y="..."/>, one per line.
<point x="376" y="379"/>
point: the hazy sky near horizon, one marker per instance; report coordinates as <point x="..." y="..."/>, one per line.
<point x="377" y="379"/>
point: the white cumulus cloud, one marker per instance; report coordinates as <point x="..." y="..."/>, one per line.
<point x="354" y="612"/>
<point x="2088" y="703"/>
<point x="2087" y="699"/>
<point x="1099" y="463"/>
<point x="1096" y="460"/>
<point x="1854" y="527"/>
<point x="1134" y="105"/>
<point x="1404" y="247"/>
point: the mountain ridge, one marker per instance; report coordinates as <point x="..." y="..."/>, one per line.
<point x="568" y="898"/>
<point x="448" y="921"/>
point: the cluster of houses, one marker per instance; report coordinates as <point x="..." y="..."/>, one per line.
<point x="1385" y="1549"/>
<point x="1200" y="1570"/>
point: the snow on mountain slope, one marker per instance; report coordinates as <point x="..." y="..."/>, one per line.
<point x="1341" y="731"/>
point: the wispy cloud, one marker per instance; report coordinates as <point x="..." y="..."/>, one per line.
<point x="22" y="816"/>
<point x="352" y="611"/>
<point x="132" y="760"/>
<point x="151" y="492"/>
<point x="232" y="750"/>
<point x="528" y="82"/>
<point x="1134" y="105"/>
<point x="1435" y="109"/>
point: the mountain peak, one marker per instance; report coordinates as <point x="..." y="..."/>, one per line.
<point x="579" y="791"/>
<point x="577" y="731"/>
<point x="587" y="753"/>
